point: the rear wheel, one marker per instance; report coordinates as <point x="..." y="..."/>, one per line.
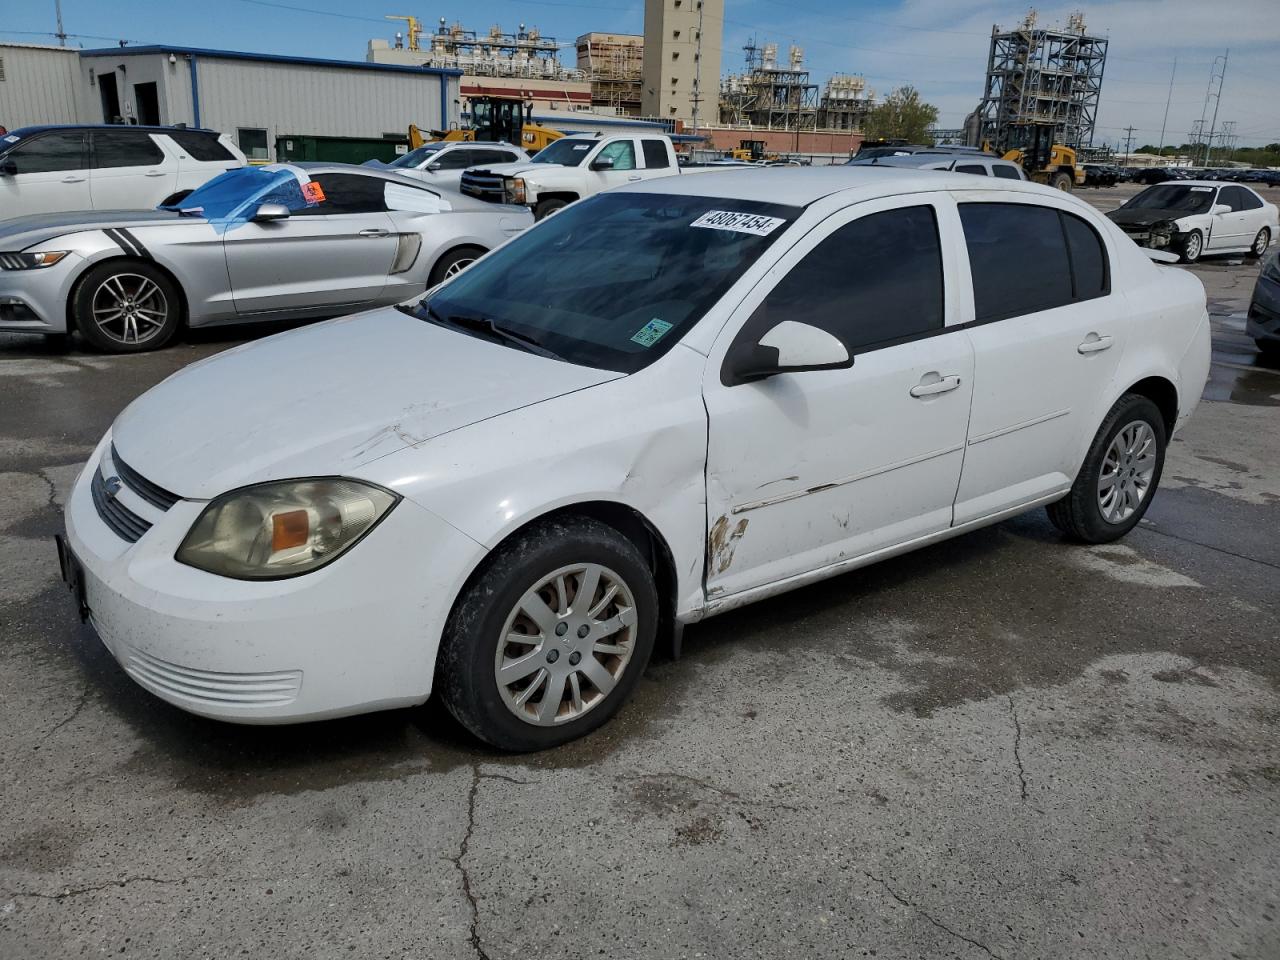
<point x="1260" y="243"/>
<point x="550" y="637"/>
<point x="453" y="263"/>
<point x="1061" y="181"/>
<point x="1119" y="475"/>
<point x="126" y="307"/>
<point x="547" y="207"/>
<point x="1192" y="247"/>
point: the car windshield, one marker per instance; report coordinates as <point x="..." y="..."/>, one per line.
<point x="569" y="152"/>
<point x="416" y="158"/>
<point x="616" y="280"/>
<point x="1170" y="196"/>
<point x="233" y="196"/>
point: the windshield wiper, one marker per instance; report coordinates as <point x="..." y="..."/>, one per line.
<point x="481" y="325"/>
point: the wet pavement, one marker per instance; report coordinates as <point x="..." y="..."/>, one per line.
<point x="1002" y="746"/>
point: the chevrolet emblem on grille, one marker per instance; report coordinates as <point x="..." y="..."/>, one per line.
<point x="111" y="487"/>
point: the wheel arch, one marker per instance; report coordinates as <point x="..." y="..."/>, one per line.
<point x="184" y="312"/>
<point x="467" y="244"/>
<point x="1162" y="392"/>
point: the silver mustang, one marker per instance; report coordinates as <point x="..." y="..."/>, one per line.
<point x="284" y="241"/>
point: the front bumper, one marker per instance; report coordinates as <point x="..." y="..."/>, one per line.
<point x="357" y="635"/>
<point x="1263" y="321"/>
<point x="35" y="301"/>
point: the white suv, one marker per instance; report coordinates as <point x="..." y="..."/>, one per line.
<point x="110" y="167"/>
<point x="440" y="164"/>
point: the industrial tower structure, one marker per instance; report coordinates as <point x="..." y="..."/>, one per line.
<point x="1038" y="76"/>
<point x="768" y="95"/>
<point x="682" y="41"/>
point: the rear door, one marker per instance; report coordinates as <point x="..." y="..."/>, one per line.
<point x="336" y="254"/>
<point x="1047" y="337"/>
<point x="51" y="175"/>
<point x="130" y="170"/>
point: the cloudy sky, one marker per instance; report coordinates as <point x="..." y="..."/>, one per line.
<point x="940" y="46"/>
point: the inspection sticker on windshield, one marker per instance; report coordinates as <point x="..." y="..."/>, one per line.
<point x="651" y="332"/>
<point x="751" y="223"/>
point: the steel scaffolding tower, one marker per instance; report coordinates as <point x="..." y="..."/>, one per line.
<point x="770" y="96"/>
<point x="1045" y="77"/>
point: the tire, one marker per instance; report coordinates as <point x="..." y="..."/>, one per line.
<point x="1080" y="514"/>
<point x="1061" y="181"/>
<point x="491" y="609"/>
<point x="173" y="198"/>
<point x="1260" y="244"/>
<point x="454" y="262"/>
<point x="155" y="317"/>
<point x="547" y="207"/>
<point x="1192" y="247"/>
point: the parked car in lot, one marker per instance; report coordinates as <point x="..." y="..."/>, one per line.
<point x="54" y="169"/>
<point x="970" y="162"/>
<point x="440" y="164"/>
<point x="1263" y="322"/>
<point x="1101" y="175"/>
<point x="1195" y="217"/>
<point x="259" y="243"/>
<point x="667" y="401"/>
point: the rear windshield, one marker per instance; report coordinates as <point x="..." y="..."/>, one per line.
<point x="1173" y="196"/>
<point x="616" y="280"/>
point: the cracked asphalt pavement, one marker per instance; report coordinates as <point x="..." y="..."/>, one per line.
<point x="1002" y="746"/>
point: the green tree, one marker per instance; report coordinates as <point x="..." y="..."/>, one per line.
<point x="902" y="114"/>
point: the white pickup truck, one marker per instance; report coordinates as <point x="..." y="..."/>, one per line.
<point x="571" y="168"/>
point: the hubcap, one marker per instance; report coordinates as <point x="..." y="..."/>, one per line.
<point x="565" y="644"/>
<point x="1260" y="243"/>
<point x="457" y="267"/>
<point x="129" y="308"/>
<point x="1193" y="247"/>
<point x="1127" y="471"/>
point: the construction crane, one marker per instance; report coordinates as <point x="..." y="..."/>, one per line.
<point x="414" y="30"/>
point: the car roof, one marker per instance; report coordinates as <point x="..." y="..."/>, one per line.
<point x="1191" y="183"/>
<point x="801" y="186"/>
<point x="45" y="127"/>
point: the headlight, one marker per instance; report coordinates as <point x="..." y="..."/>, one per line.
<point x="30" y="261"/>
<point x="284" y="528"/>
<point x="515" y="190"/>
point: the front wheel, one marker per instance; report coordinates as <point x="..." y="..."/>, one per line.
<point x="547" y="207"/>
<point x="1192" y="247"/>
<point x="126" y="307"/>
<point x="1260" y="244"/>
<point x="1061" y="181"/>
<point x="550" y="637"/>
<point x="1119" y="475"/>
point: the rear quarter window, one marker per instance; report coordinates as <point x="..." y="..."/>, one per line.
<point x="204" y="147"/>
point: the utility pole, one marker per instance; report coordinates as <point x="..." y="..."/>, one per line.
<point x="697" y="71"/>
<point x="1128" y="143"/>
<point x="1165" y="122"/>
<point x="1217" y="102"/>
<point x="61" y="34"/>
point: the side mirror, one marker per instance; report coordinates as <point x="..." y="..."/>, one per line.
<point x="8" y="167"/>
<point x="1219" y="209"/>
<point x="433" y="166"/>
<point x="602" y="163"/>
<point x="270" y="212"/>
<point x="788" y="347"/>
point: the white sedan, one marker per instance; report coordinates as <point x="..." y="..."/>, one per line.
<point x="1195" y="217"/>
<point x="665" y="402"/>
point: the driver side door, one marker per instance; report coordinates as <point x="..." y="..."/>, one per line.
<point x="51" y="175"/>
<point x="624" y="169"/>
<point x="810" y="469"/>
<point x="333" y="255"/>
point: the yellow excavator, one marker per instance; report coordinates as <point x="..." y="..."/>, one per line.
<point x="494" y="119"/>
<point x="1034" y="147"/>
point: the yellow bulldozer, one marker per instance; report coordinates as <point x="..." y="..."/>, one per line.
<point x="493" y="119"/>
<point x="1034" y="147"/>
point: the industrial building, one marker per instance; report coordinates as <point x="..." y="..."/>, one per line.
<point x="1038" y="76"/>
<point x="521" y="64"/>
<point x="258" y="99"/>
<point x="613" y="63"/>
<point x="682" y="41"/>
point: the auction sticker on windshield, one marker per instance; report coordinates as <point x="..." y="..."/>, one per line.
<point x="737" y="222"/>
<point x="1203" y="189"/>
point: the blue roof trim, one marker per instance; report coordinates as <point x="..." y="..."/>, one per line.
<point x="271" y="58"/>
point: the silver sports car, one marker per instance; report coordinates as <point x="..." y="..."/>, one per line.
<point x="259" y="243"/>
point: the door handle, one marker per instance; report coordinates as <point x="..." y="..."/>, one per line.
<point x="941" y="385"/>
<point x="153" y="173"/>
<point x="636" y="177"/>
<point x="73" y="179"/>
<point x="374" y="232"/>
<point x="1096" y="345"/>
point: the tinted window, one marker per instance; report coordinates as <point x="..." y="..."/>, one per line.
<point x="875" y="280"/>
<point x="1088" y="258"/>
<point x="976" y="168"/>
<point x="1008" y="173"/>
<point x="1018" y="259"/>
<point x="1238" y="198"/>
<point x="348" y="193"/>
<point x="621" y="152"/>
<point x="1251" y="200"/>
<point x="655" y="154"/>
<point x="459" y="159"/>
<point x="119" y="148"/>
<point x="1174" y="196"/>
<point x="49" y="153"/>
<point x="201" y="146"/>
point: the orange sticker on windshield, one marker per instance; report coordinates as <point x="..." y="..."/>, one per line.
<point x="312" y="192"/>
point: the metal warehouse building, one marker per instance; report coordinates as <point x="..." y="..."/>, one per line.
<point x="254" y="97"/>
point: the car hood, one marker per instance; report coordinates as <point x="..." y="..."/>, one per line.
<point x="1147" y="218"/>
<point x="325" y="399"/>
<point x="19" y="233"/>
<point x="518" y="168"/>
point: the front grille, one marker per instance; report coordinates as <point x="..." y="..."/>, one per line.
<point x="155" y="495"/>
<point x="484" y="185"/>
<point x="127" y="524"/>
<point x="215" y="689"/>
